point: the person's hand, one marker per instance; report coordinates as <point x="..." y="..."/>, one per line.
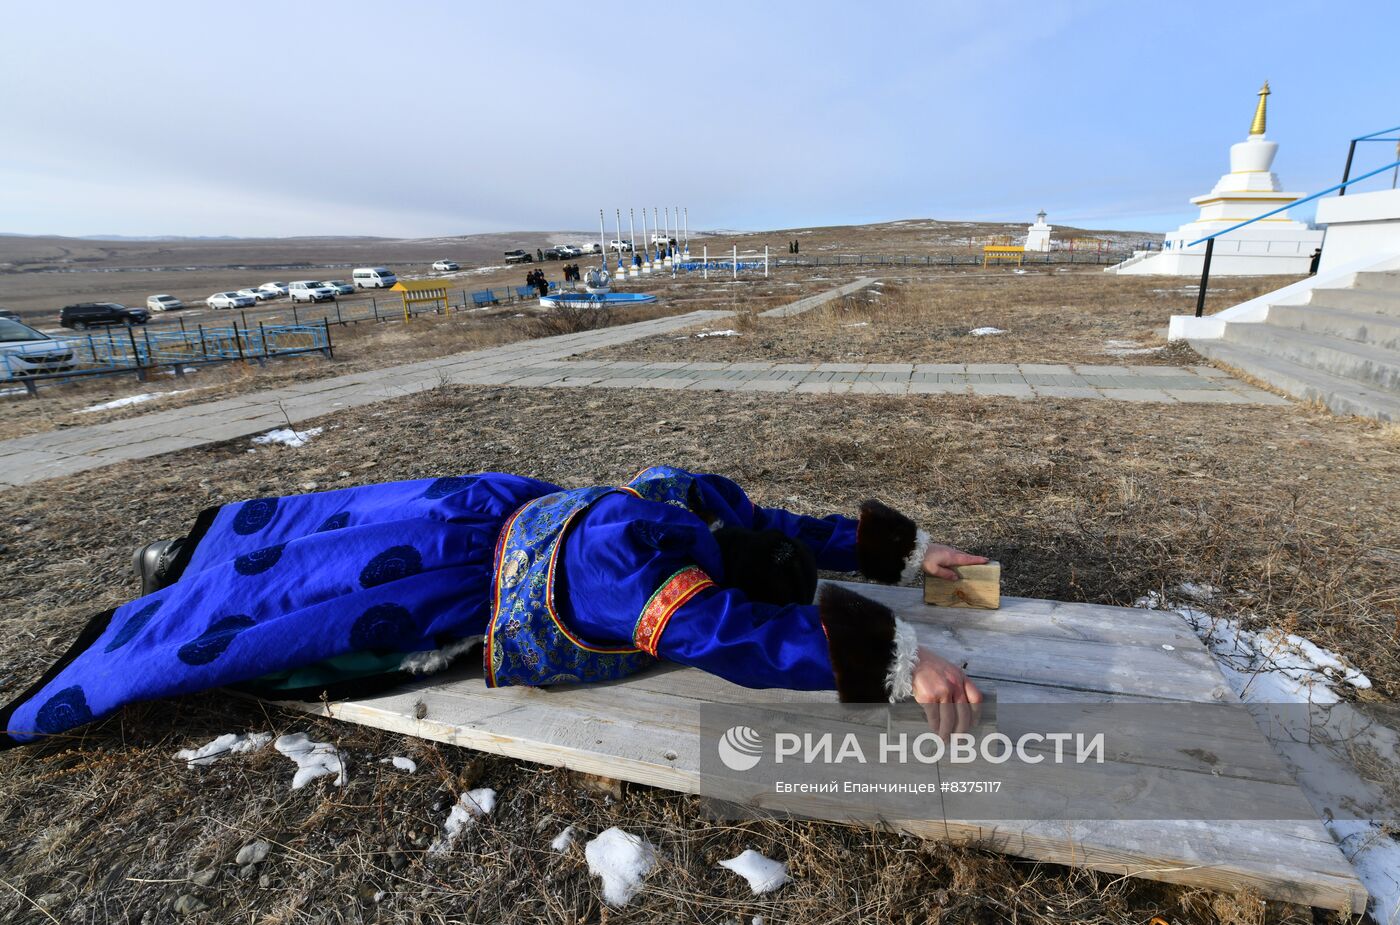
<point x="940" y="560"/>
<point x="951" y="702"/>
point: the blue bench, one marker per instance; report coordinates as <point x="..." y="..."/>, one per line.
<point x="526" y="292"/>
<point x="485" y="297"/>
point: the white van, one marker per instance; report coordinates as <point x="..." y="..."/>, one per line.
<point x="373" y="278"/>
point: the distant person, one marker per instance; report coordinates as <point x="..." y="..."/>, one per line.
<point x="539" y="255"/>
<point x="797" y="247"/>
<point x="1316" y="259"/>
<point x="542" y="284"/>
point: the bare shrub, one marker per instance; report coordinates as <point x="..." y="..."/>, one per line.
<point x="571" y="319"/>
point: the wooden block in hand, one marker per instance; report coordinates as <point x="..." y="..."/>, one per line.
<point x="980" y="586"/>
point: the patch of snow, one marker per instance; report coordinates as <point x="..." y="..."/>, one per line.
<point x="1375" y="856"/>
<point x="1276" y="672"/>
<point x="313" y="759"/>
<point x="1125" y="348"/>
<point x="433" y="660"/>
<point x="230" y="743"/>
<point x="470" y="806"/>
<point x="1267" y="666"/>
<point x="1019" y="272"/>
<point x="724" y="333"/>
<point x="187" y="370"/>
<point x="985" y="332"/>
<point x="622" y="861"/>
<point x="128" y="401"/>
<point x="564" y="839"/>
<point x="856" y="324"/>
<point x="288" y="437"/>
<point x="407" y="765"/>
<point x="763" y="874"/>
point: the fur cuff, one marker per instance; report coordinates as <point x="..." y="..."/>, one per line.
<point x="887" y="543"/>
<point x="914" y="562"/>
<point x="872" y="653"/>
<point x="899" y="678"/>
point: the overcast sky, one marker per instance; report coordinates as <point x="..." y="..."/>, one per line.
<point x="418" y="119"/>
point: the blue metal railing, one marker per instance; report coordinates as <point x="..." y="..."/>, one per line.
<point x="1339" y="189"/>
<point x="125" y="351"/>
<point x="1351" y="152"/>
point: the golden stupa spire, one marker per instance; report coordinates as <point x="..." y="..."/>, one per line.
<point x="1257" y="126"/>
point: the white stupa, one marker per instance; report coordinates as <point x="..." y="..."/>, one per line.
<point x="1038" y="235"/>
<point x="1272" y="245"/>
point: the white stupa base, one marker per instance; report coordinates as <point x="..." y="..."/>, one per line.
<point x="1159" y="263"/>
<point x="1252" y="251"/>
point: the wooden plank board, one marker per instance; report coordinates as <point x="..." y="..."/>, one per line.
<point x="648" y="730"/>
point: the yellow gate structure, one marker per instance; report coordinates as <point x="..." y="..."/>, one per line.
<point x="1002" y="253"/>
<point x="418" y="291"/>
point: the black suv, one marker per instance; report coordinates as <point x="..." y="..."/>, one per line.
<point x="89" y="314"/>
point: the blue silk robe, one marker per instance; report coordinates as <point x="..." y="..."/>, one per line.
<point x="272" y="585"/>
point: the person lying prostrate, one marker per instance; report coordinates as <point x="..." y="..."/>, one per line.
<point x="343" y="593"/>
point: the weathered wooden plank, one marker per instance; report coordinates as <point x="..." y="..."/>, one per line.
<point x="647" y="730"/>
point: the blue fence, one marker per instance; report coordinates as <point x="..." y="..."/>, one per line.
<point x="119" y="350"/>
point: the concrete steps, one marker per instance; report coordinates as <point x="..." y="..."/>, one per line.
<point x="1375" y="367"/>
<point x="1360" y="327"/>
<point x="1374" y="301"/>
<point x="1341" y="348"/>
<point x="1342" y="396"/>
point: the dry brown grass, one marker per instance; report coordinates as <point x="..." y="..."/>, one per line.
<point x="1048" y="316"/>
<point x="1292" y="513"/>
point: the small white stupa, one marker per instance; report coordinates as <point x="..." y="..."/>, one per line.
<point x="1272" y="245"/>
<point x="1038" y="235"/>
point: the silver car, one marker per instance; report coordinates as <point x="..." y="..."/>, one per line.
<point x="341" y="288"/>
<point x="27" y="352"/>
<point x="230" y="300"/>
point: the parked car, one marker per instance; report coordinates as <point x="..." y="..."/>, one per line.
<point x="163" y="303"/>
<point x="341" y="288"/>
<point x="310" y="290"/>
<point x="85" y="315"/>
<point x="569" y="250"/>
<point x="519" y="256"/>
<point x="27" y="352"/>
<point x="620" y="245"/>
<point x="553" y="253"/>
<point x="277" y="289"/>
<point x="230" y="300"/>
<point x="445" y="266"/>
<point x="373" y="278"/>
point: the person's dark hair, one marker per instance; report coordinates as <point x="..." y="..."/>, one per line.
<point x="767" y="566"/>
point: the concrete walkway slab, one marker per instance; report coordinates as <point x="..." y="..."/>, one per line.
<point x="546" y="363"/>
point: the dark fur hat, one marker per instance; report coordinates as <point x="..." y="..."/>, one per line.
<point x="767" y="566"/>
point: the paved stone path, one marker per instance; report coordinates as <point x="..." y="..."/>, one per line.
<point x="541" y="363"/>
<point x="1166" y="384"/>
<point x="812" y="301"/>
<point x="74" y="449"/>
